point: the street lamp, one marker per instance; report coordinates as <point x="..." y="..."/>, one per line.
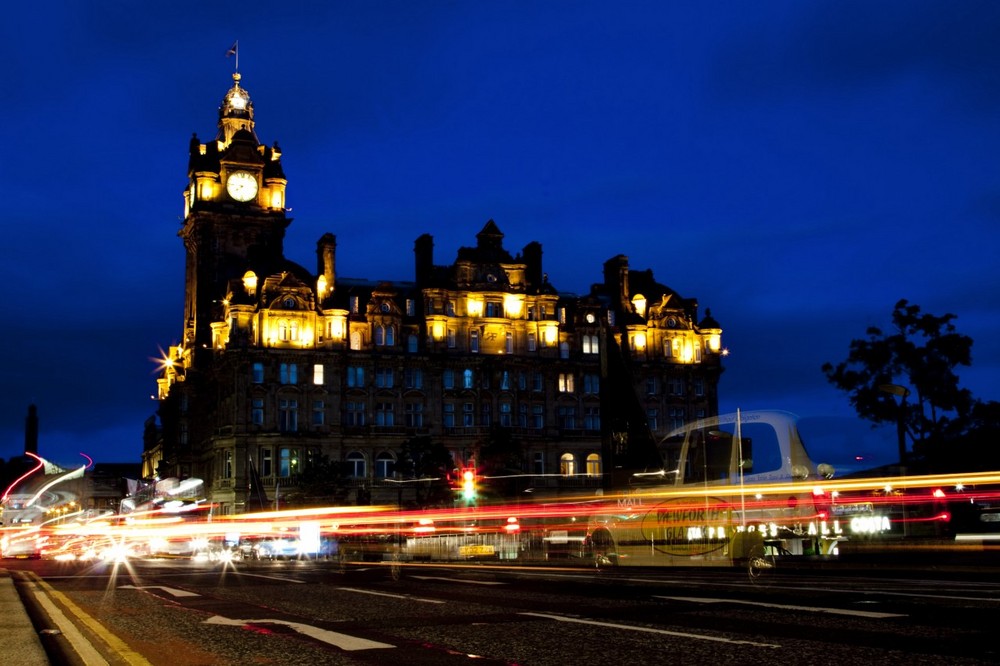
<point x="902" y="392"/>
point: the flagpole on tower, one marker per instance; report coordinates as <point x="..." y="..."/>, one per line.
<point x="234" y="50"/>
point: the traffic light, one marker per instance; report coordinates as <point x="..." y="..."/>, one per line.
<point x="468" y="484"/>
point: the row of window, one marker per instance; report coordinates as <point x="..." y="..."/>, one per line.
<point x="356" y="413"/>
<point x="413" y="378"/>
<point x="453" y="415"/>
<point x="287" y="461"/>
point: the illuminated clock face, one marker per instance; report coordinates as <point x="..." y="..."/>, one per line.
<point x="242" y="186"/>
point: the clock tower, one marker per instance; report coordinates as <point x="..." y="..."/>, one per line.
<point x="234" y="213"/>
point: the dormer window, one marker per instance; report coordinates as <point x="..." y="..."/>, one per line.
<point x="289" y="303"/>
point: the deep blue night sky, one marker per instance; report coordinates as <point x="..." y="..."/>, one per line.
<point x="797" y="167"/>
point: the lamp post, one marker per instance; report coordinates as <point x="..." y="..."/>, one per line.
<point x="902" y="392"/>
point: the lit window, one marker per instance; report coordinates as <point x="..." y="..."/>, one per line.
<point x="354" y="305"/>
<point x="467" y="378"/>
<point x="590" y="344"/>
<point x="318" y="373"/>
<point x="288" y="461"/>
<point x="593" y="464"/>
<point x="355" y="340"/>
<point x="567" y="464"/>
<point x="227" y="464"/>
<point x="411" y="307"/>
<point x="565" y="382"/>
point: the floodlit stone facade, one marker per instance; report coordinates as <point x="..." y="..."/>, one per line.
<point x="282" y="369"/>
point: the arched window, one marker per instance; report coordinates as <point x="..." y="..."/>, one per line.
<point x="356" y="465"/>
<point x="379" y="336"/>
<point x="385" y="465"/>
<point x="567" y="464"/>
<point x="390" y="336"/>
<point x="594" y="464"/>
<point x="355" y="340"/>
<point x="467" y="378"/>
<point x="283" y="330"/>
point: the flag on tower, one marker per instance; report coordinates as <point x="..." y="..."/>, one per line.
<point x="233" y="50"/>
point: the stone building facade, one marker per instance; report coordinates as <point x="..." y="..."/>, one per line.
<point x="282" y="369"/>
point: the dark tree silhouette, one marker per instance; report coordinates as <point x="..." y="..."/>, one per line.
<point x="423" y="458"/>
<point x="321" y="483"/>
<point x="920" y="355"/>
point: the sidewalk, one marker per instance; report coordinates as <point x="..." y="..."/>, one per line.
<point x="19" y="643"/>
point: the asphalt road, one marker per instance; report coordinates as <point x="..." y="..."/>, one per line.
<point x="182" y="613"/>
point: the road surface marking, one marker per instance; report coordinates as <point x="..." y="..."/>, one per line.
<point x="812" y="609"/>
<point x="394" y="596"/>
<point x="81" y="645"/>
<point x="282" y="578"/>
<point x="170" y="590"/>
<point x="460" y="580"/>
<point x="343" y="641"/>
<point x="650" y="630"/>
